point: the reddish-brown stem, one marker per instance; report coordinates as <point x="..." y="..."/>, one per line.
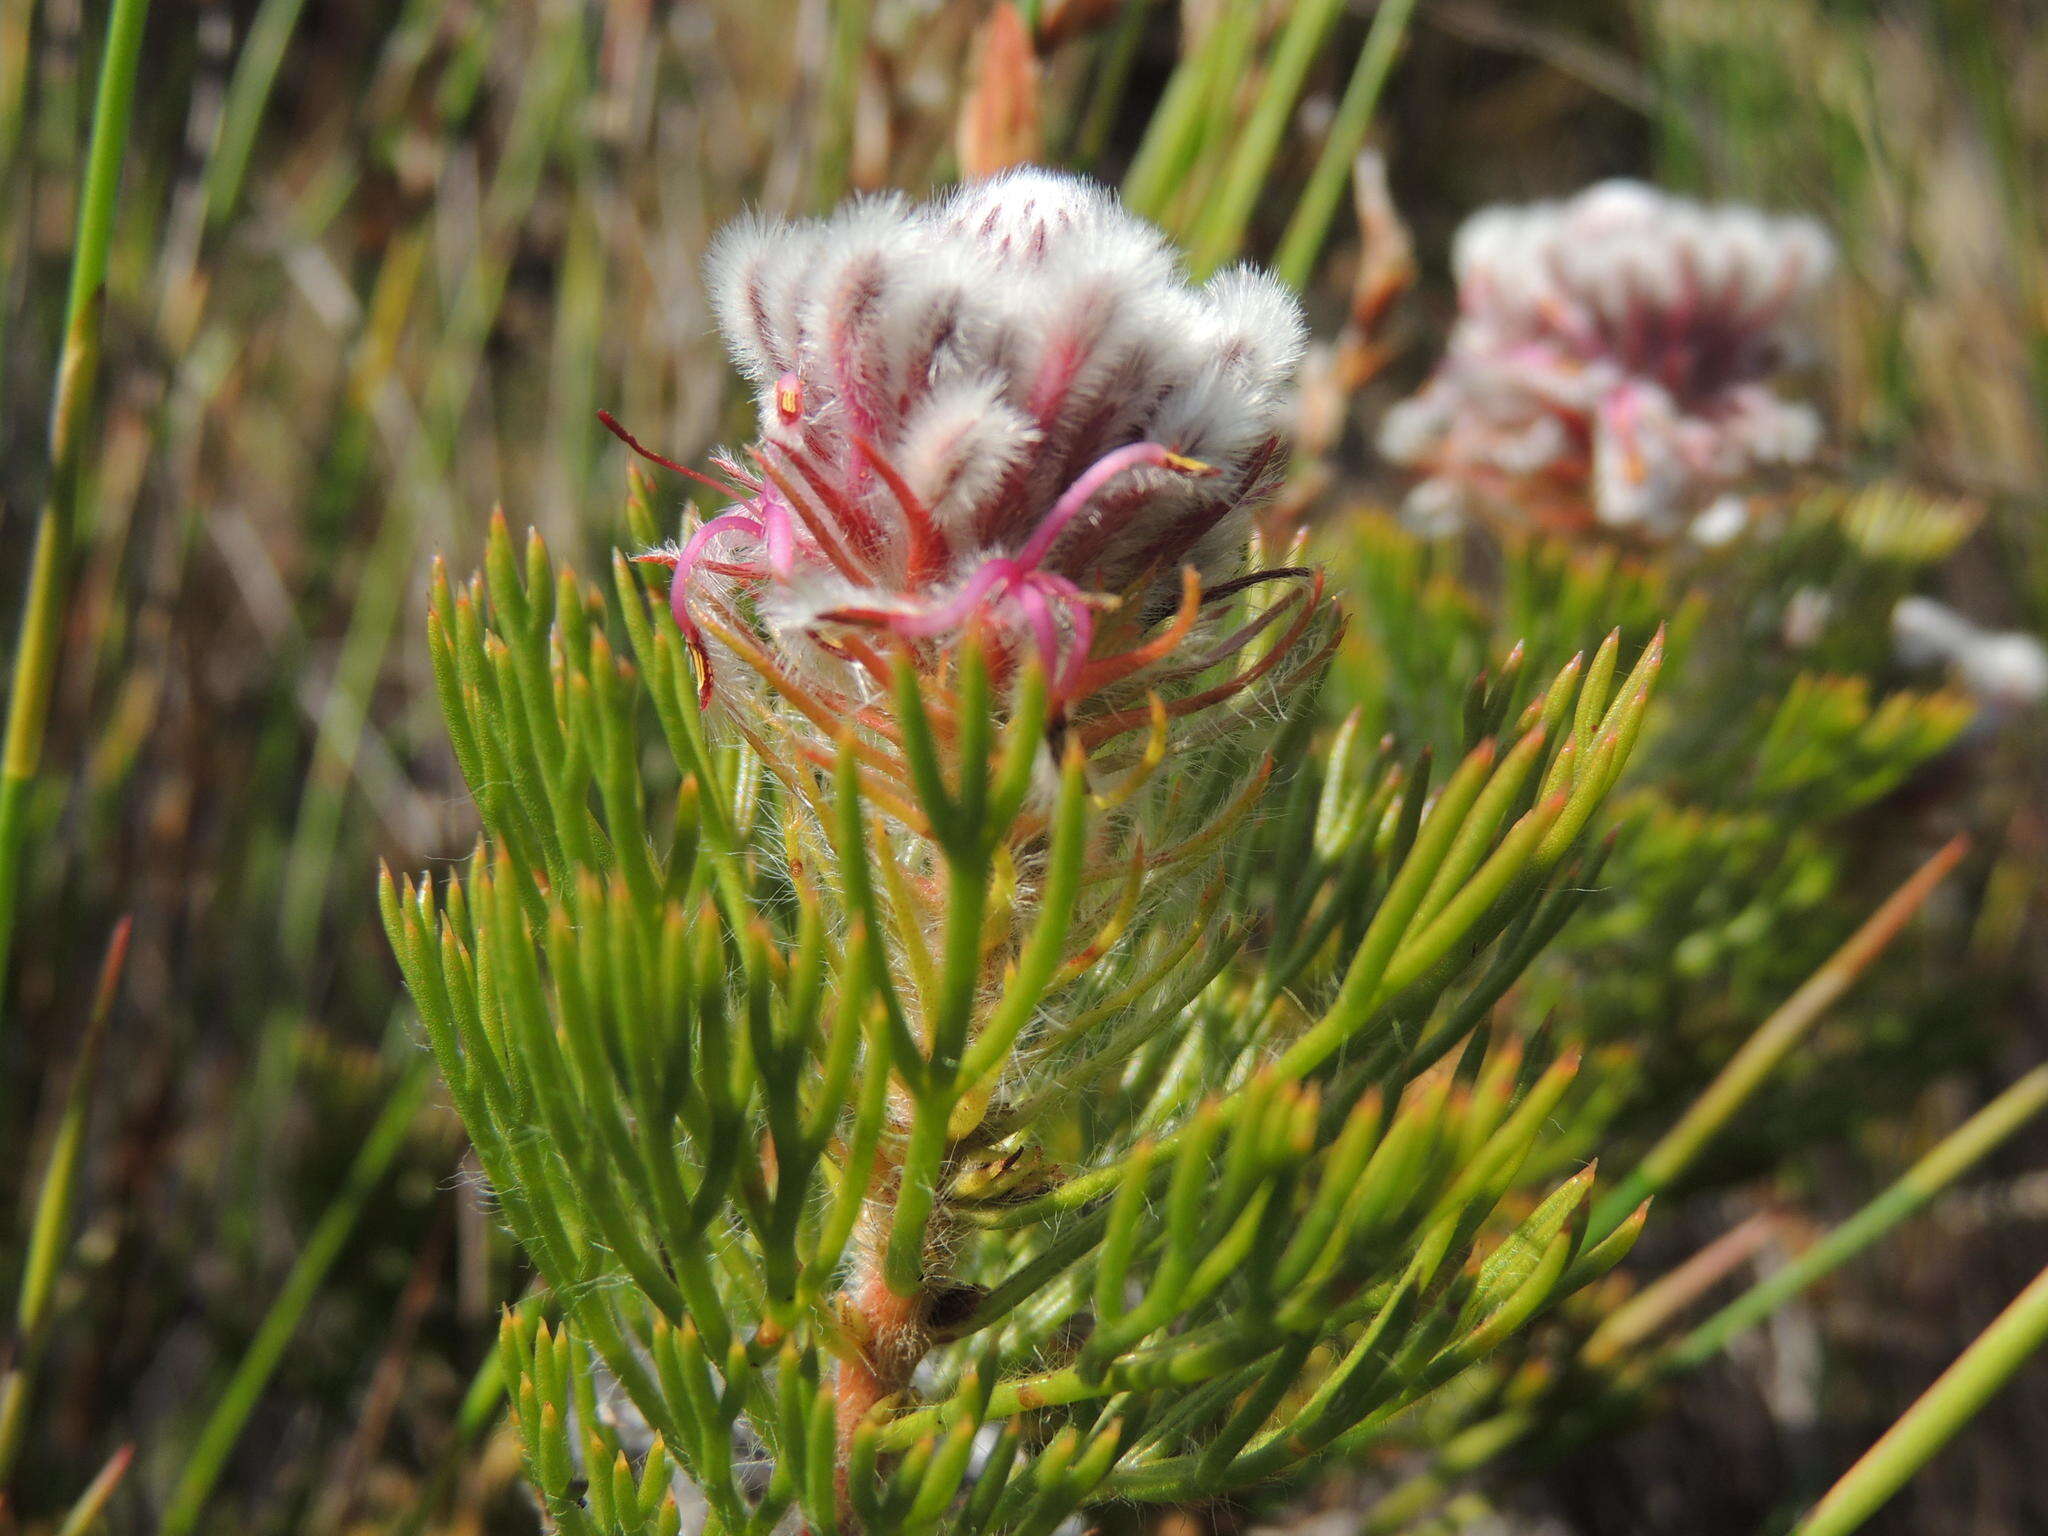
<point x="892" y="1333"/>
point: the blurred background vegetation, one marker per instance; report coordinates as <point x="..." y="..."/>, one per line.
<point x="376" y="264"/>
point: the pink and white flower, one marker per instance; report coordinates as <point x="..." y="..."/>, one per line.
<point x="1610" y="361"/>
<point x="1006" y="409"/>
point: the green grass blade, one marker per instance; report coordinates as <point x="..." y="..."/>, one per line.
<point x="1774" y="1040"/>
<point x="35" y="657"/>
<point x="2013" y="1338"/>
<point x="50" y="1227"/>
<point x="85" y="1514"/>
<point x="1220" y="233"/>
<point x="248" y="93"/>
<point x="231" y="1413"/>
<point x="1310" y="226"/>
<point x="1955" y="1155"/>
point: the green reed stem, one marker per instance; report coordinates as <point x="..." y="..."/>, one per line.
<point x="1774" y="1040"/>
<point x="56" y="1201"/>
<point x="1955" y="1155"/>
<point x="1117" y="54"/>
<point x="1169" y="154"/>
<point x="1942" y="1410"/>
<point x="242" y="112"/>
<point x="1310" y="226"/>
<point x="1641" y="1368"/>
<point x="538" y="122"/>
<point x="15" y="19"/>
<point x="35" y="657"/>
<point x="224" y="1426"/>
<point x="85" y="1513"/>
<point x="1220" y="233"/>
<point x="846" y="32"/>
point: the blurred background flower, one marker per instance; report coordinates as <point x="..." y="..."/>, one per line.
<point x="1610" y="362"/>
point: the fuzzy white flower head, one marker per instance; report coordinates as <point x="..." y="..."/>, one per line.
<point x="1609" y="359"/>
<point x="1001" y="408"/>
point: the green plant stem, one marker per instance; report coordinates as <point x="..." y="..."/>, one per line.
<point x="1170" y="151"/>
<point x="35" y="656"/>
<point x="1220" y="232"/>
<point x="85" y="1514"/>
<point x="15" y="19"/>
<point x="1934" y="1420"/>
<point x="1656" y="1305"/>
<point x="50" y="1228"/>
<point x="1117" y="54"/>
<point x="242" y="113"/>
<point x="836" y="96"/>
<point x="530" y="141"/>
<point x="1310" y="226"/>
<point x="224" y="1426"/>
<point x="1763" y="1053"/>
<point x="1915" y="1188"/>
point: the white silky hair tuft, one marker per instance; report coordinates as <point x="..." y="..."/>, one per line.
<point x="961" y="444"/>
<point x="751" y="273"/>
